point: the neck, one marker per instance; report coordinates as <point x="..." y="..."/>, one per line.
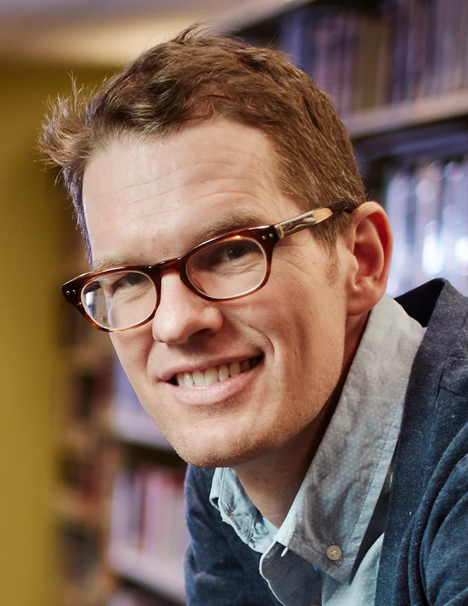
<point x="273" y="480"/>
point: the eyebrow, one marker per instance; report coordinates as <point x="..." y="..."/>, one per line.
<point x="237" y="220"/>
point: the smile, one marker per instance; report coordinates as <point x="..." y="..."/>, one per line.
<point x="215" y="374"/>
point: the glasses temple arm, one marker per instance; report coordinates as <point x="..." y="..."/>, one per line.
<point x="308" y="219"/>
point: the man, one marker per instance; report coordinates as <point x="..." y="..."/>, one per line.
<point x="241" y="274"/>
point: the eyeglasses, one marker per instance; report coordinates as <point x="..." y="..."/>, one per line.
<point x="224" y="268"/>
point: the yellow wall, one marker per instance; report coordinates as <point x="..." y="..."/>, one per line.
<point x="30" y="214"/>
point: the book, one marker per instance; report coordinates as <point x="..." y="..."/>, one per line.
<point x="396" y="198"/>
<point x="349" y="45"/>
<point x="454" y="229"/>
<point x="368" y="61"/>
<point x="429" y="257"/>
<point x="406" y="50"/>
<point x="292" y="37"/>
<point x="128" y="417"/>
<point x="417" y="47"/>
<point x="148" y="514"/>
<point x="427" y="205"/>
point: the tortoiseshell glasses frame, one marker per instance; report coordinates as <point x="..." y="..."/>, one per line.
<point x="244" y="256"/>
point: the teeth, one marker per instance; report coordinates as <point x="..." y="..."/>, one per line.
<point x="214" y="374"/>
<point x="223" y="373"/>
<point x="198" y="379"/>
<point x="211" y="376"/>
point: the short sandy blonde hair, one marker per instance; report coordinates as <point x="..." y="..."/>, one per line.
<point x="197" y="76"/>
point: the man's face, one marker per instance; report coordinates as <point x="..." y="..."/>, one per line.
<point x="278" y="352"/>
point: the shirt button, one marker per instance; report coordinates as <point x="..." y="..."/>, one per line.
<point x="334" y="552"/>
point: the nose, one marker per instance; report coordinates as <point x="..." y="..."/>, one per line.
<point x="181" y="313"/>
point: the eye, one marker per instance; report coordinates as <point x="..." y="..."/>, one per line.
<point x="123" y="282"/>
<point x="236" y="251"/>
<point x="131" y="279"/>
<point x="229" y="253"/>
<point x="233" y="256"/>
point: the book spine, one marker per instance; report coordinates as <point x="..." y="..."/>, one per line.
<point x="396" y="203"/>
<point x="387" y="76"/>
<point x="400" y="72"/>
<point x="348" y="64"/>
<point x="148" y="517"/>
<point x="427" y="207"/>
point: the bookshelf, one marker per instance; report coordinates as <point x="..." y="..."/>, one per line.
<point x="408" y="117"/>
<point x="397" y="71"/>
<point x="153" y="573"/>
<point x="86" y="463"/>
<point x="118" y="502"/>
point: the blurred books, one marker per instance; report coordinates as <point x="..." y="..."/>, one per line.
<point x="128" y="417"/>
<point x="401" y="51"/>
<point x="149" y="536"/>
<point x="427" y="204"/>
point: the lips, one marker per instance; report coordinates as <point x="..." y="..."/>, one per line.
<point x="215" y="374"/>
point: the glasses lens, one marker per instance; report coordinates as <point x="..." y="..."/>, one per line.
<point x="228" y="268"/>
<point x="119" y="300"/>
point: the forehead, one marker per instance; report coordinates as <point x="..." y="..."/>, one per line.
<point x="160" y="196"/>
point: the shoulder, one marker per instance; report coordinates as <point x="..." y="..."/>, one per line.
<point x="436" y="405"/>
<point x="428" y="498"/>
<point x="199" y="479"/>
<point x="220" y="570"/>
<point x="198" y="483"/>
<point x="442" y="554"/>
<point x="424" y="555"/>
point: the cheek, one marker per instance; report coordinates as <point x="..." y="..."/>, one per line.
<point x="307" y="329"/>
<point x="133" y="349"/>
<point x="294" y="326"/>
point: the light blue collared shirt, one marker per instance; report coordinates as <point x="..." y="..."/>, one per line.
<point x="327" y="550"/>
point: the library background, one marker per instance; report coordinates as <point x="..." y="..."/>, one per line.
<point x="91" y="493"/>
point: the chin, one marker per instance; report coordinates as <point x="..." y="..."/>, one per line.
<point x="209" y="452"/>
<point x="212" y="457"/>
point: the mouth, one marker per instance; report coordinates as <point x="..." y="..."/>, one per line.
<point x="215" y="374"/>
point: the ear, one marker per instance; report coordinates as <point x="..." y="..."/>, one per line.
<point x="369" y="242"/>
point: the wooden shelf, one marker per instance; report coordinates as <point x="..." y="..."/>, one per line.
<point x="94" y="592"/>
<point x="70" y="508"/>
<point x="94" y="354"/>
<point x="163" y="577"/>
<point x="80" y="438"/>
<point x="409" y="114"/>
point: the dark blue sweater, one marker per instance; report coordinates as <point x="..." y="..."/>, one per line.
<point x="424" y="559"/>
<point x="424" y="556"/>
